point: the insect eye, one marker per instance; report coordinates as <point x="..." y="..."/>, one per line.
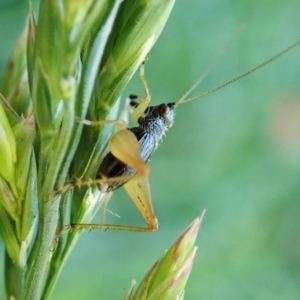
<point x="163" y="110"/>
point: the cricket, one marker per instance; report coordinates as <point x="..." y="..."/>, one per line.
<point x="131" y="148"/>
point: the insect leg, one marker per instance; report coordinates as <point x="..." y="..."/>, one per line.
<point x="88" y="182"/>
<point x="143" y="79"/>
<point x="139" y="191"/>
<point x="100" y="227"/>
<point x="141" y="108"/>
<point x="120" y="123"/>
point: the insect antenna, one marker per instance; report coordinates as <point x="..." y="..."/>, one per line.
<point x="210" y="67"/>
<point x="276" y="56"/>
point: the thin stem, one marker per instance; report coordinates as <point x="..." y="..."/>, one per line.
<point x="49" y="215"/>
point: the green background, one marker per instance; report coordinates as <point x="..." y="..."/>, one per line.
<point x="235" y="153"/>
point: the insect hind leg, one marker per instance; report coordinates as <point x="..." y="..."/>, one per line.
<point x="78" y="226"/>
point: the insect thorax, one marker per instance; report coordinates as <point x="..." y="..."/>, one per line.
<point x="157" y="120"/>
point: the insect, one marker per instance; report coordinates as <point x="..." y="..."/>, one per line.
<point x="131" y="148"/>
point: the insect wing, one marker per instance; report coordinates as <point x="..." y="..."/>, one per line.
<point x="125" y="147"/>
<point x="146" y="143"/>
<point x="138" y="190"/>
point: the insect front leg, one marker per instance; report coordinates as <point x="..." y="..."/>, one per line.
<point x="142" y="106"/>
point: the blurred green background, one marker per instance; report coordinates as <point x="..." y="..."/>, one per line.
<point x="235" y="153"/>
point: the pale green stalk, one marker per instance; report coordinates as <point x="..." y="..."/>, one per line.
<point x="72" y="61"/>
